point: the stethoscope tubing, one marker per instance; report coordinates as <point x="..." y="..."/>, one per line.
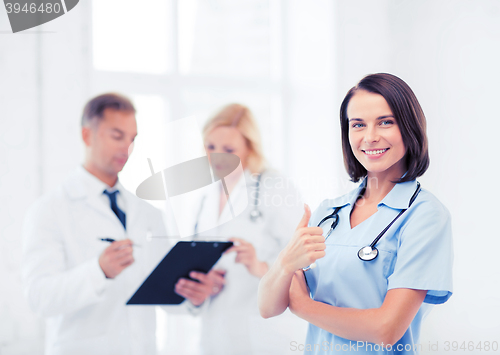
<point x="375" y="241"/>
<point x="255" y="213"/>
<point x="369" y="252"/>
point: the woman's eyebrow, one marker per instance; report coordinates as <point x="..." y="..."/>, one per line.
<point x="386" y="116"/>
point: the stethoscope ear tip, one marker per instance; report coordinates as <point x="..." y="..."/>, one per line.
<point x="307" y="268"/>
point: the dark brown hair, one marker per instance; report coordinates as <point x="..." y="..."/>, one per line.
<point x="94" y="109"/>
<point x="408" y="115"/>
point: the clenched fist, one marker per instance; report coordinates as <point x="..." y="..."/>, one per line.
<point x="306" y="246"/>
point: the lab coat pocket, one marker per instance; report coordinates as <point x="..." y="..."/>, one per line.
<point x="82" y="240"/>
<point x="387" y="252"/>
<point x="389" y="259"/>
<point x="96" y="345"/>
<point x="80" y="334"/>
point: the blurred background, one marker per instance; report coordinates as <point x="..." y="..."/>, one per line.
<point x="291" y="62"/>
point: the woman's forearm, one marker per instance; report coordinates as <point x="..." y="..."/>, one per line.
<point x="273" y="294"/>
<point x="386" y="324"/>
<point x="305" y="247"/>
<point x="350" y="323"/>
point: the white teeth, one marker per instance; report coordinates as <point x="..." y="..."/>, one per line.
<point x="373" y="152"/>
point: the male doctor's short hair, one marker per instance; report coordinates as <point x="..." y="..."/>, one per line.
<point x="94" y="109"/>
<point x="409" y="117"/>
<point x="240" y="117"/>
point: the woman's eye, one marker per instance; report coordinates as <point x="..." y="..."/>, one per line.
<point x="229" y="150"/>
<point x="210" y="147"/>
<point x="387" y="122"/>
<point x="357" y="125"/>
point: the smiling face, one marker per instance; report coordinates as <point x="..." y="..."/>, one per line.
<point x="226" y="139"/>
<point x="108" y="144"/>
<point x="374" y="135"/>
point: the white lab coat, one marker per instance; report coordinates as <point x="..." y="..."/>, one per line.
<point x="231" y="323"/>
<point x="85" y="312"/>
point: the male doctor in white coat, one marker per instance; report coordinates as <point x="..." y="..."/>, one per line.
<point x="78" y="282"/>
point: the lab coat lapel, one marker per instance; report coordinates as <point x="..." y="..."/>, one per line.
<point x="96" y="203"/>
<point x="209" y="215"/>
<point x="133" y="214"/>
<point x="209" y="218"/>
<point x="235" y="198"/>
<point x="77" y="189"/>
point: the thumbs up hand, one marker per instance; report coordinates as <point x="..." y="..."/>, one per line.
<point x="306" y="246"/>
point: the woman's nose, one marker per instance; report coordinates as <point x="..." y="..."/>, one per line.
<point x="372" y="135"/>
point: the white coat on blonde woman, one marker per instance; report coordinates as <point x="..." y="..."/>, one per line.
<point x="231" y="323"/>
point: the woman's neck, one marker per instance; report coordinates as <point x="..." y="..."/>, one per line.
<point x="378" y="185"/>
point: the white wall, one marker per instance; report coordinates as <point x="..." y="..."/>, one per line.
<point x="19" y="179"/>
<point x="447" y="50"/>
<point x="43" y="86"/>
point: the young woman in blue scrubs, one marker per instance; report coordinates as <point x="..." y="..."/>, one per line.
<point x="376" y="306"/>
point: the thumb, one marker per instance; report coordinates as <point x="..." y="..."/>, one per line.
<point x="305" y="218"/>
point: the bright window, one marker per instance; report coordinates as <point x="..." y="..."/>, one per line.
<point x="225" y="38"/>
<point x="136" y="40"/>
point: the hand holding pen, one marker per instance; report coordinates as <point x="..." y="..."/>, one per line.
<point x="116" y="257"/>
<point x="111" y="240"/>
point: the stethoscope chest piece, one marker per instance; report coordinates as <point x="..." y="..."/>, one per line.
<point x="255" y="215"/>
<point x="367" y="253"/>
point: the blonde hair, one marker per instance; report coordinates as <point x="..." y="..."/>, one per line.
<point x="240" y="117"/>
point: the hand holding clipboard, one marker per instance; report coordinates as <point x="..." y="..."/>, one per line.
<point x="183" y="258"/>
<point x="203" y="286"/>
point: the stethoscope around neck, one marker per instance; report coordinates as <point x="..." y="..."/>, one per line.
<point x="369" y="252"/>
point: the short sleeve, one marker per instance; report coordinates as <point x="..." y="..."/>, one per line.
<point x="425" y="253"/>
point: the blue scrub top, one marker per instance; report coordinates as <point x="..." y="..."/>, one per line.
<point x="416" y="252"/>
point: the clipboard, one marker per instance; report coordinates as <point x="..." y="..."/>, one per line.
<point x="184" y="257"/>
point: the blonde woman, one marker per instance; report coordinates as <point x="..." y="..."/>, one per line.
<point x="227" y="296"/>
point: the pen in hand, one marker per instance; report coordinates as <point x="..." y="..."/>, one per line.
<point x="111" y="240"/>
